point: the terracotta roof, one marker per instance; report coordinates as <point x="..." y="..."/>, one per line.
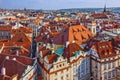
<point x="21" y="37"/>
<point x="12" y="50"/>
<point x="14" y="67"/>
<point x="26" y="30"/>
<point x="100" y="16"/>
<point x="45" y="52"/>
<point x="69" y="51"/>
<point x="78" y="33"/>
<point x="5" y="77"/>
<point x="105" y="49"/>
<point x="5" y="28"/>
<point x="51" y="58"/>
<point x="40" y="15"/>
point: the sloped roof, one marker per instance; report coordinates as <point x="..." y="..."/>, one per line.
<point x="100" y="16"/>
<point x="4" y="77"/>
<point x="69" y="51"/>
<point x="104" y="49"/>
<point x="21" y="37"/>
<point x="77" y="33"/>
<point x="5" y="28"/>
<point x="51" y="58"/>
<point x="14" y="67"/>
<point x="26" y="30"/>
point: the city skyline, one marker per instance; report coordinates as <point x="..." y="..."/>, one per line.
<point x="56" y="4"/>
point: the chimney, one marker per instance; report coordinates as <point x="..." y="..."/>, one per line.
<point x="67" y="43"/>
<point x="48" y="46"/>
<point x="44" y="45"/>
<point x="53" y="51"/>
<point x="17" y="53"/>
<point x="40" y="52"/>
<point x="56" y="28"/>
<point x="48" y="36"/>
<point x="73" y="41"/>
<point x="7" y="57"/>
<point x="14" y="59"/>
<point x="41" y="33"/>
<point x="3" y="71"/>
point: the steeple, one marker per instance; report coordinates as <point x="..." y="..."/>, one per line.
<point x="104" y="9"/>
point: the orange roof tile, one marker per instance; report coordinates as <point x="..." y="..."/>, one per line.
<point x="104" y="49"/>
<point x="69" y="51"/>
<point x="78" y="33"/>
<point x="51" y="58"/>
<point x="5" y="28"/>
<point x="14" y="67"/>
<point x="21" y="37"/>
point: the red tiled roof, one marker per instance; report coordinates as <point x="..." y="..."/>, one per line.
<point x="22" y="29"/>
<point x="14" y="67"/>
<point x="78" y="33"/>
<point x="51" y="58"/>
<point x="104" y="49"/>
<point x="5" y="28"/>
<point x="99" y="15"/>
<point x="5" y="77"/>
<point x="45" y="52"/>
<point x="21" y="37"/>
<point x="69" y="51"/>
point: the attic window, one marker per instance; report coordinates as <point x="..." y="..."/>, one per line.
<point x="103" y="52"/>
<point x="83" y="38"/>
<point x="108" y="51"/>
<point x="20" y="40"/>
<point x="79" y="30"/>
<point x="74" y="31"/>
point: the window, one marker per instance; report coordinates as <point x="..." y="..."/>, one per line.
<point x="113" y="73"/>
<point x="105" y="75"/>
<point x="94" y="30"/>
<point x="62" y="78"/>
<point x="63" y="64"/>
<point x="56" y="73"/>
<point x="103" y="52"/>
<point x="113" y="65"/>
<point x="107" y="51"/>
<point x="109" y="65"/>
<point x="109" y="74"/>
<point x="60" y="65"/>
<point x="67" y="75"/>
<point x="105" y="66"/>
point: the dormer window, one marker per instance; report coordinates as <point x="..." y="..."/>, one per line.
<point x="103" y="52"/>
<point x="79" y="30"/>
<point x="108" y="52"/>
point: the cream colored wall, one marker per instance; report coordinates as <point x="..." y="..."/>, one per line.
<point x="67" y="74"/>
<point x="101" y="71"/>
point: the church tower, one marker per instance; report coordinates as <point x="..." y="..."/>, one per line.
<point x="105" y="10"/>
<point x="93" y="27"/>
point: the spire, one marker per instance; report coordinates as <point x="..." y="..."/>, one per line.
<point x="104" y="8"/>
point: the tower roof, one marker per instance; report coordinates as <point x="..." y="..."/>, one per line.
<point x="104" y="8"/>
